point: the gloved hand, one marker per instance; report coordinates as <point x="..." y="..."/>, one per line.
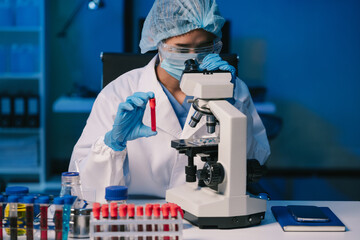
<point x="128" y="123"/>
<point x="214" y="62"/>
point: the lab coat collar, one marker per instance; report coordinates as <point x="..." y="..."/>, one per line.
<point x="166" y="119"/>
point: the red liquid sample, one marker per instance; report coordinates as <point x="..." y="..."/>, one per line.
<point x="43" y="222"/>
<point x="29" y="222"/>
<point x="152" y="113"/>
<point x="58" y="224"/>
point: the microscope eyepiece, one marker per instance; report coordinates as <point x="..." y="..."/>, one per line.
<point x="191" y="65"/>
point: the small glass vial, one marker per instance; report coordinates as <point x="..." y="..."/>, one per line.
<point x="19" y="192"/>
<point x="70" y="185"/>
<point x="118" y="194"/>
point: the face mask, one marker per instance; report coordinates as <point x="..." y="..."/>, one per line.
<point x="173" y="58"/>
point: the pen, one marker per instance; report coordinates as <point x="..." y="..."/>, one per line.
<point x="153" y="116"/>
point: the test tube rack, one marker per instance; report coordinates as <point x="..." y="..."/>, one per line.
<point x="131" y="226"/>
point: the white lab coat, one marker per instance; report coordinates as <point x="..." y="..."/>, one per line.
<point x="153" y="165"/>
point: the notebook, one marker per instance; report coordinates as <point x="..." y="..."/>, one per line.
<point x="289" y="224"/>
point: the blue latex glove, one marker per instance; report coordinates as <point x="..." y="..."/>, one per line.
<point x="214" y="62"/>
<point x="128" y="123"/>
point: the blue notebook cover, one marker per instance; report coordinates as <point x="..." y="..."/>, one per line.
<point x="289" y="224"/>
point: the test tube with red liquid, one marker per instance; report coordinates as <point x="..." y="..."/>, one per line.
<point x="58" y="217"/>
<point x="152" y="103"/>
<point x="96" y="213"/>
<point x="44" y="204"/>
<point x="29" y="211"/>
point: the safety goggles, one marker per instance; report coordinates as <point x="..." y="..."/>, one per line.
<point x="215" y="47"/>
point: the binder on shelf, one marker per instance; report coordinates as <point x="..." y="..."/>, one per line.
<point x="19" y="111"/>
<point x="5" y="111"/>
<point x="33" y="113"/>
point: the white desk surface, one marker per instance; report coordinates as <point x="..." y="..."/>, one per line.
<point x="347" y="211"/>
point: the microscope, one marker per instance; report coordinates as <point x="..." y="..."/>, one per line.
<point x="215" y="196"/>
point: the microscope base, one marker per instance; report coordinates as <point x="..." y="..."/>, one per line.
<point x="225" y="222"/>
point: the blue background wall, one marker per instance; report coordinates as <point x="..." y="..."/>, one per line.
<point x="306" y="53"/>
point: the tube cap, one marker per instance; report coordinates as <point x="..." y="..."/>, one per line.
<point x="140" y="211"/>
<point x="122" y="210"/>
<point x="113" y="193"/>
<point x="148" y="210"/>
<point x="96" y="210"/>
<point x="69" y="174"/>
<point x="28" y="199"/>
<point x="43" y="199"/>
<point x="156" y="211"/>
<point x="131" y="210"/>
<point x="59" y="200"/>
<point x="105" y="210"/>
<point x="13" y="199"/>
<point x="165" y="208"/>
<point x="113" y="209"/>
<point x="16" y="190"/>
<point x="68" y="199"/>
<point x="152" y="102"/>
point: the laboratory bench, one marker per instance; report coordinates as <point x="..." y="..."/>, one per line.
<point x="347" y="211"/>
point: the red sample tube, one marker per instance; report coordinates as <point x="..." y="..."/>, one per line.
<point x="29" y="206"/>
<point x="44" y="203"/>
<point x="96" y="213"/>
<point x="174" y="213"/>
<point x="148" y="214"/>
<point x="140" y="215"/>
<point x="156" y="211"/>
<point x="122" y="214"/>
<point x="165" y="208"/>
<point x="114" y="215"/>
<point x="153" y="116"/>
<point x="131" y="214"/>
<point x="105" y="215"/>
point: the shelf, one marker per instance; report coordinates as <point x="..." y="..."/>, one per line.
<point x="20" y="76"/>
<point x="20" y="130"/>
<point x="19" y="170"/>
<point x="73" y="105"/>
<point x="12" y="29"/>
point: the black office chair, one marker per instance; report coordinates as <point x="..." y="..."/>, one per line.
<point x="116" y="64"/>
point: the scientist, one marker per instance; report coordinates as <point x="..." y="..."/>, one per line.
<point x="117" y="147"/>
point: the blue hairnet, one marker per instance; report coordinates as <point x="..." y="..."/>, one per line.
<point x="169" y="18"/>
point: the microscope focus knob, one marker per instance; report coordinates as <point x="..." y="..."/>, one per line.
<point x="212" y="174"/>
